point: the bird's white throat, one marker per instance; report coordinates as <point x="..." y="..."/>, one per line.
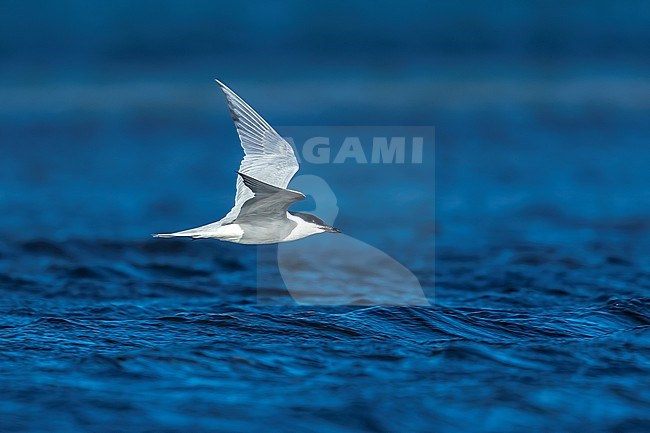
<point x="302" y="229"/>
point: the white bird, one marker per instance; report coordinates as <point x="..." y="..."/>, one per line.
<point x="260" y="214"/>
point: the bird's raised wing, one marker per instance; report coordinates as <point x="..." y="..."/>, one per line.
<point x="267" y="156"/>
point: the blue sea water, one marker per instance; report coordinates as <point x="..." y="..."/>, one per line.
<point x="536" y="260"/>
<point x="527" y="224"/>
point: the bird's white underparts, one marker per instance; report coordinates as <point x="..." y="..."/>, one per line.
<point x="261" y="212"/>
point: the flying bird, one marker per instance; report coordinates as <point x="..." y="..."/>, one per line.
<point x="261" y="212"/>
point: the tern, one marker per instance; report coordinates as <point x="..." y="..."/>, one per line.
<point x="261" y="212"/>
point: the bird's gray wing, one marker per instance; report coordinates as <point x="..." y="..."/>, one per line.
<point x="268" y="202"/>
<point x="267" y="156"/>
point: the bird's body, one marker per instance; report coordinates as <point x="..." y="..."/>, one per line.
<point x="259" y="232"/>
<point x="260" y="214"/>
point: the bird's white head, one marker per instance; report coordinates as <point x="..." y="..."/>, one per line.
<point x="308" y="224"/>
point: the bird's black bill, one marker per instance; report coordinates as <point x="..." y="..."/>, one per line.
<point x="333" y="230"/>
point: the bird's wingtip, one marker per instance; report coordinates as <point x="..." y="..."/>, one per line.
<point x="216" y="80"/>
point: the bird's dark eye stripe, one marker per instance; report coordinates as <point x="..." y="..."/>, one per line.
<point x="310" y="218"/>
